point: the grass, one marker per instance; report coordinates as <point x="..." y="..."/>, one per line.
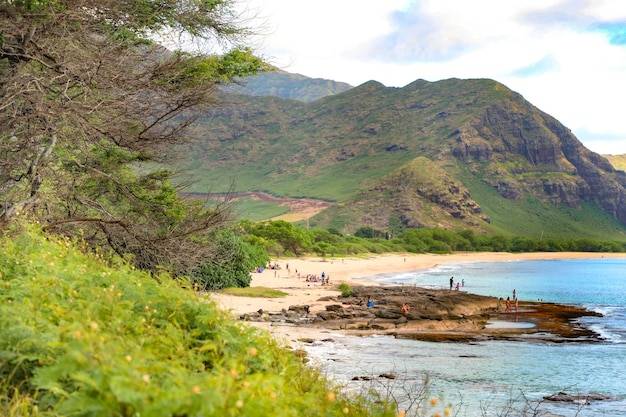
<point x="531" y="217"/>
<point x="618" y="161"/>
<point x="346" y="290"/>
<point x="255" y="210"/>
<point x="262" y="292"/>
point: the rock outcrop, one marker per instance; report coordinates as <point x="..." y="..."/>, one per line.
<point x="570" y="173"/>
<point x="436" y="315"/>
<point x="582" y="399"/>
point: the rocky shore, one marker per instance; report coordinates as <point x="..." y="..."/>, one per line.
<point x="434" y="315"/>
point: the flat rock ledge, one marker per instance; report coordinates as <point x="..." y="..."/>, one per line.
<point x="438" y="315"/>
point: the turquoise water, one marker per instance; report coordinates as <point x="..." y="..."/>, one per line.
<point x="489" y="378"/>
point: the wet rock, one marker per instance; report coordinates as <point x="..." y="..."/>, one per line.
<point x="437" y="315"/>
<point x="584" y="399"/>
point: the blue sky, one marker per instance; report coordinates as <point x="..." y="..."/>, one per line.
<point x="567" y="57"/>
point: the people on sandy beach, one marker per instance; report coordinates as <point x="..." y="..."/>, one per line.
<point x="324" y="280"/>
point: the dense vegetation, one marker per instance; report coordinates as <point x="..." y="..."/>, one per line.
<point x="83" y="337"/>
<point x="89" y="98"/>
<point x="281" y="238"/>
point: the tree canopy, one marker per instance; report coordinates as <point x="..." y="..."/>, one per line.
<point x="88" y="98"/>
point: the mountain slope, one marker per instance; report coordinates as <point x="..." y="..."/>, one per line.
<point x="618" y="161"/>
<point x="286" y="85"/>
<point x="487" y="142"/>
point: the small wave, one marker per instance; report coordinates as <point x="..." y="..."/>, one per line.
<point x="605" y="310"/>
<point x="607" y="334"/>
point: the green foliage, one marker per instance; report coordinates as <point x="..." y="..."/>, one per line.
<point x="421" y="240"/>
<point x="232" y="261"/>
<point x="346" y="290"/>
<point x="289" y="237"/>
<point x="368" y="232"/>
<point x="222" y="69"/>
<point x="109" y="104"/>
<point x="324" y="248"/>
<point x="79" y="337"/>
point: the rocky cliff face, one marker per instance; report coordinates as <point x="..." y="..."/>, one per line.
<point x="509" y="131"/>
<point x="420" y="194"/>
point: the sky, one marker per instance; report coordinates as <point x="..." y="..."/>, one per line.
<point x="566" y="57"/>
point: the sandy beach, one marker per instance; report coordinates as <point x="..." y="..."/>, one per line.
<point x="290" y="278"/>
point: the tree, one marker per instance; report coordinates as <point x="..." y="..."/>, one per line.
<point x="235" y="259"/>
<point x="88" y="98"/>
<point x="290" y="237"/>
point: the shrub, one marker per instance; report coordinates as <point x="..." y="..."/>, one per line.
<point x="346" y="290"/>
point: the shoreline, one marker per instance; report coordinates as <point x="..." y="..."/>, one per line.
<point x="290" y="278"/>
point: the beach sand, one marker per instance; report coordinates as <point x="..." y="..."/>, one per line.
<point x="349" y="270"/>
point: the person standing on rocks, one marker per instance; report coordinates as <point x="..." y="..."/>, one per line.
<point x="451" y="283"/>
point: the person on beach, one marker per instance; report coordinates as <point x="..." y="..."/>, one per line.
<point x="370" y="302"/>
<point x="516" y="305"/>
<point x="451" y="283"/>
<point x="514" y="297"/>
<point x="405" y="308"/>
<point x="458" y="286"/>
<point x="508" y="305"/>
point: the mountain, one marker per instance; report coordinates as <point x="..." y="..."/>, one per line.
<point x="286" y="85"/>
<point x="453" y="154"/>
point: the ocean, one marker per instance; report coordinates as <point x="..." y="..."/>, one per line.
<point x="496" y="378"/>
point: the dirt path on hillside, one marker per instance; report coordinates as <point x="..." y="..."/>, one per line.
<point x="299" y="208"/>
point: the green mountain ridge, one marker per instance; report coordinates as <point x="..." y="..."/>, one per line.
<point x="286" y="85"/>
<point x="485" y="158"/>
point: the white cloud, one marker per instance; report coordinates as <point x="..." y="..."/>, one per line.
<point x="567" y="57"/>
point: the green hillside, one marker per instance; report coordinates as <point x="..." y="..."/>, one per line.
<point x="520" y="170"/>
<point x="330" y="148"/>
